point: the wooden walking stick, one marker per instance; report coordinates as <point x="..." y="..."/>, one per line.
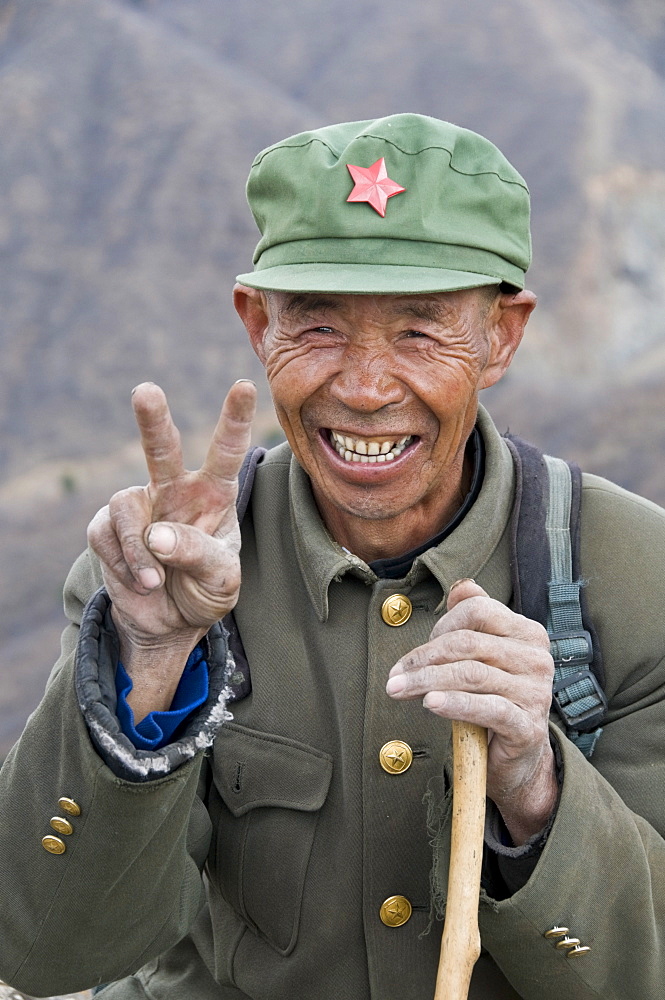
<point x="460" y="945"/>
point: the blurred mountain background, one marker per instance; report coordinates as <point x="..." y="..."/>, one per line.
<point x="127" y="129"/>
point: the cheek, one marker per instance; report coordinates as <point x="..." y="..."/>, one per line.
<point x="296" y="374"/>
<point x="445" y="383"/>
<point x="292" y="386"/>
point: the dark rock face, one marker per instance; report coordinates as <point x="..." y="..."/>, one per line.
<point x="128" y="127"/>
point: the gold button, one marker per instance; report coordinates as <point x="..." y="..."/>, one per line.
<point x="53" y="845"/>
<point x="556" y="932"/>
<point x="69" y="806"/>
<point x="61" y="825"/>
<point x="395" y="911"/>
<point x="395" y="757"/>
<point x="396" y="609"/>
<point x="567" y="942"/>
<point x="580" y="949"/>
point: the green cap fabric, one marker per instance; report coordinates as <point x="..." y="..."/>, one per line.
<point x="462" y="220"/>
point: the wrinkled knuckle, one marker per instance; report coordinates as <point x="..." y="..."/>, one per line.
<point x="411" y="662"/>
<point x="504" y="713"/>
<point x="465" y="644"/>
<point x="438" y="629"/>
<point x="229" y="580"/>
<point x="543" y="664"/>
<point x="475" y="674"/>
<point x="98" y="527"/>
<point x="120" y="499"/>
<point x="429" y="677"/>
<point x="538" y="634"/>
<point x="117" y="565"/>
<point x="465" y="704"/>
<point x="465" y="613"/>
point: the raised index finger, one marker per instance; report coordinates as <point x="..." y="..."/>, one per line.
<point x="160" y="438"/>
<point x="232" y="435"/>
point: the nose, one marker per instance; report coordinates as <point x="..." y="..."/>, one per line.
<point x="366" y="383"/>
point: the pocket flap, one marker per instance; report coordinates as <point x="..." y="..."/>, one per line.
<point x="253" y="769"/>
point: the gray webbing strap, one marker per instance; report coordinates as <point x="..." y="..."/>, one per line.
<point x="578" y="698"/>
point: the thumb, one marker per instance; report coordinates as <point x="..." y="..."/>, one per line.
<point x="461" y="590"/>
<point x="188" y="548"/>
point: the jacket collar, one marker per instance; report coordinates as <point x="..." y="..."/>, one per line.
<point x="463" y="553"/>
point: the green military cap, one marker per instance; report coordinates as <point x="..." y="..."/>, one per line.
<point x="404" y="204"/>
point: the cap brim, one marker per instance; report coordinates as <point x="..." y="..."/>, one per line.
<point x="364" y="279"/>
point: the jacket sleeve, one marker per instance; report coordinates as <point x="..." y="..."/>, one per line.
<point x="601" y="873"/>
<point x="134" y="856"/>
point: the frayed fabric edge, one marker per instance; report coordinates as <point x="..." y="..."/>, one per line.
<point x="438" y="816"/>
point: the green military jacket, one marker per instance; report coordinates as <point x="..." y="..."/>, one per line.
<point x="258" y="867"/>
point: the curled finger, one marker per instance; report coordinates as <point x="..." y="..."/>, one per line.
<point x="130" y="513"/>
<point x="491" y="711"/>
<point x="480" y="613"/>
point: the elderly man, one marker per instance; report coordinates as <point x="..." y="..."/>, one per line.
<point x="282" y="851"/>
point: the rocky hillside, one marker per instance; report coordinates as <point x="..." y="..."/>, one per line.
<point x="127" y="132"/>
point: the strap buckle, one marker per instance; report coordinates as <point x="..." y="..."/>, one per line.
<point x="579" y="656"/>
<point x="594" y="715"/>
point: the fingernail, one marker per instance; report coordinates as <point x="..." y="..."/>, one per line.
<point x="466" y="579"/>
<point x="251" y="381"/>
<point x="150" y="578"/>
<point x="162" y="539"/>
<point x="434" y="700"/>
<point x="139" y="386"/>
<point x="396" y="684"/>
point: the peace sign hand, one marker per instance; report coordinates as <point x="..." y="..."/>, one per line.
<point x="170" y="551"/>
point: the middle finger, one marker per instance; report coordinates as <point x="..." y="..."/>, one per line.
<point x="471" y="677"/>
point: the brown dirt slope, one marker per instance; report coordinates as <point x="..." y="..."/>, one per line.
<point x="128" y="129"/>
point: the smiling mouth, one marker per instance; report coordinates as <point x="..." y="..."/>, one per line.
<point x="368" y="450"/>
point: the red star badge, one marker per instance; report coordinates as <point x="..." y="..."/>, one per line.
<point x="373" y="185"/>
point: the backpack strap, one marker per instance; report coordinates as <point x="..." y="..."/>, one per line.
<point x="240" y="681"/>
<point x="548" y="588"/>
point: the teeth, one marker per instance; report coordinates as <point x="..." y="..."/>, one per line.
<point x="358" y="450"/>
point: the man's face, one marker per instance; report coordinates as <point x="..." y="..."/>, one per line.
<point x="377" y="394"/>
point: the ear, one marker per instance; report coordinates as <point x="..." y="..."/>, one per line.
<point x="506" y="322"/>
<point x="252" y="307"/>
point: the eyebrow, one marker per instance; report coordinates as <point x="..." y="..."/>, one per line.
<point x="298" y="305"/>
<point x="426" y="309"/>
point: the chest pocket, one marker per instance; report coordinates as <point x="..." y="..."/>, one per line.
<point x="271" y="791"/>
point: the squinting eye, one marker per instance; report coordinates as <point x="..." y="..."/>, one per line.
<point x="415" y="333"/>
<point x="323" y="329"/>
